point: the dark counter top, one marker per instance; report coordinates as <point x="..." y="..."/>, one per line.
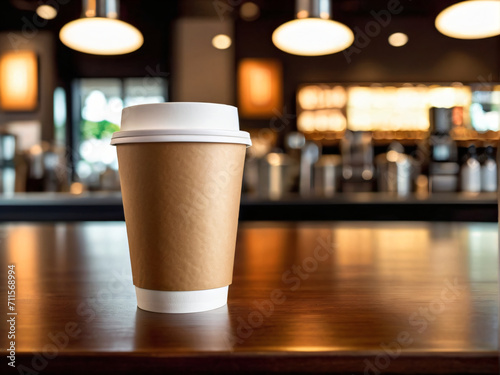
<point x="318" y="298"/>
<point x="102" y="206"/>
<point x="482" y="207"/>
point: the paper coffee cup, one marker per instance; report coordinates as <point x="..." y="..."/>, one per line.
<point x="181" y="188"/>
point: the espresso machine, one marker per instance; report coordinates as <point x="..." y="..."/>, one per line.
<point x="443" y="167"/>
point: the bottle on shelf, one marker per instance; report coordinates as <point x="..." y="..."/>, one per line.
<point x="489" y="171"/>
<point x="470" y="172"/>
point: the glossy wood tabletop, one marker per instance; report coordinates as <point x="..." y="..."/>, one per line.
<point x="347" y="298"/>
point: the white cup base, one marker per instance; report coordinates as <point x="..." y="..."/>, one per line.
<point x="178" y="302"/>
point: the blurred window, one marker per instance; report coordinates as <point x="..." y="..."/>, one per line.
<point x="101" y="104"/>
<point x="485" y="108"/>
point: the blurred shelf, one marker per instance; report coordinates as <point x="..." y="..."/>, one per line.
<point x="101" y="206"/>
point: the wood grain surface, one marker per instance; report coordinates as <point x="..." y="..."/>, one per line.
<point x="329" y="298"/>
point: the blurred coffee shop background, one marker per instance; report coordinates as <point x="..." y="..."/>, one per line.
<point x="400" y="122"/>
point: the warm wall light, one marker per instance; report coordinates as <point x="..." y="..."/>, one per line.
<point x="221" y="41"/>
<point x="313" y="33"/>
<point x="473" y="19"/>
<point x="46" y="11"/>
<point x="18" y="81"/>
<point x="249" y="11"/>
<point x="260" y="88"/>
<point x="398" y="39"/>
<point x="100" y="32"/>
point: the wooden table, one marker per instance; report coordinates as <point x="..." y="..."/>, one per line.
<point x="330" y="297"/>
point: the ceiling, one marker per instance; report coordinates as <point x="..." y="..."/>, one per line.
<point x="156" y="12"/>
<point x="154" y="19"/>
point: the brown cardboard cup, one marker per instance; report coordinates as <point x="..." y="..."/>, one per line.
<point x="181" y="191"/>
<point x="181" y="203"/>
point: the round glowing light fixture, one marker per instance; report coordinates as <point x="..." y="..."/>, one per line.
<point x="47" y="12"/>
<point x="473" y="19"/>
<point x="249" y="11"/>
<point x="313" y="33"/>
<point x="398" y="39"/>
<point x="101" y="36"/>
<point x="101" y="33"/>
<point x="221" y="41"/>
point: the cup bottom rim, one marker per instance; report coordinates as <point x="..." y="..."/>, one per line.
<point x="178" y="302"/>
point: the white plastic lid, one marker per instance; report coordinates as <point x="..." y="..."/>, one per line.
<point x="180" y="122"/>
<point x="180" y="115"/>
<point x="177" y="302"/>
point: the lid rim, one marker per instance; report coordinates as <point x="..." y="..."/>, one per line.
<point x="182" y="138"/>
<point x="187" y="132"/>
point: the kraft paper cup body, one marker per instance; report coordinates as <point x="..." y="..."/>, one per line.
<point x="181" y="188"/>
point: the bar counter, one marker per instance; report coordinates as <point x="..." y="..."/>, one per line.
<point x="317" y="298"/>
<point x="107" y="206"/>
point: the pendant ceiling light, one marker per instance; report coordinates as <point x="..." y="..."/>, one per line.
<point x="313" y="33"/>
<point x="100" y="32"/>
<point x="473" y="19"/>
